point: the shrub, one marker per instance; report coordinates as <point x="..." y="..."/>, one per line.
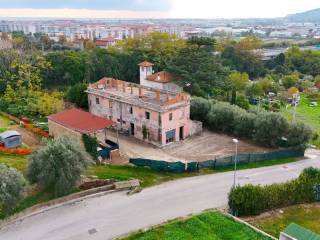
<point x="253" y="200"/>
<point x="77" y="95"/>
<point x="145" y="132"/>
<point x="91" y="145"/>
<point x="315" y="96"/>
<point x="199" y="109"/>
<point x="244" y="123"/>
<point x="35" y="130"/>
<point x="242" y="102"/>
<point x="298" y="134"/>
<point x="254" y="196"/>
<point x="270" y="128"/>
<point x="57" y="165"/>
<point x="11" y="187"/>
<point x="267" y="129"/>
<point x="222" y="117"/>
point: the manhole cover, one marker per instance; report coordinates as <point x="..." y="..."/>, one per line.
<point x="92" y="231"/>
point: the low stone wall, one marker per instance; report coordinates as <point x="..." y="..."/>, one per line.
<point x="196" y="128"/>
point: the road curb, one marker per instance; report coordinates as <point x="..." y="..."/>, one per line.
<point x="60" y="202"/>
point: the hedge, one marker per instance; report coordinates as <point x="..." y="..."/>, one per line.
<point x="91" y="144"/>
<point x="266" y="128"/>
<point x="253" y="200"/>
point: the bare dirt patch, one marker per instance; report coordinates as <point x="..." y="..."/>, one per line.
<point x="28" y="138"/>
<point x="204" y="147"/>
<point x="209" y="146"/>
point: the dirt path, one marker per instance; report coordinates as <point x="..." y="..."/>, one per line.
<point x="28" y="138"/>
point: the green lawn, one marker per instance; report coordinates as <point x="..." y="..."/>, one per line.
<point x="307" y="216"/>
<point x="146" y="176"/>
<point x="206" y="226"/>
<point x="267" y="163"/>
<point x="15" y="161"/>
<point x="4" y="122"/>
<point x="306" y="114"/>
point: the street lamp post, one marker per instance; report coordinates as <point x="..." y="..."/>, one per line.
<point x="236" y="141"/>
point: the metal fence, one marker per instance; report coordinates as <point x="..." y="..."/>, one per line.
<point x="218" y="163"/>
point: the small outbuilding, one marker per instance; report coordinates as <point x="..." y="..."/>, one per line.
<point x="296" y="232"/>
<point x="75" y="122"/>
<point x="10" y="139"/>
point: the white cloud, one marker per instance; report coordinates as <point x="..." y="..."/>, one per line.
<point x="182" y="9"/>
<point x="239" y="8"/>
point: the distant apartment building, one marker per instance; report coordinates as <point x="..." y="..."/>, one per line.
<point x="105" y="42"/>
<point x="157" y="116"/>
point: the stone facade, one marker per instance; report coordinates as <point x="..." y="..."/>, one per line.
<point x="56" y="130"/>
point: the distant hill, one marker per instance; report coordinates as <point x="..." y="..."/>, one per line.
<point x="309" y="16"/>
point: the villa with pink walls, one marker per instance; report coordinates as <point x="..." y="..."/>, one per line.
<point x="152" y="114"/>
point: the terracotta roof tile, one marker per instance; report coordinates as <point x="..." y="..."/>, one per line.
<point x="162" y="77"/>
<point x="80" y="121"/>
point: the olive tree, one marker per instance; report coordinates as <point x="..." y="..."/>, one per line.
<point x="299" y="134"/>
<point x="12" y="183"/>
<point x="58" y="165"/>
<point x="200" y="108"/>
<point x="270" y="128"/>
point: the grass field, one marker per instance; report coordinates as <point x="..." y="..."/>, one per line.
<point x="306" y="114"/>
<point x="307" y="216"/>
<point x="206" y="226"/>
<point x="4" y="122"/>
<point x="15" y="161"/>
<point x="146" y="176"/>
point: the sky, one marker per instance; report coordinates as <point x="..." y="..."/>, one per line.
<point x="154" y="8"/>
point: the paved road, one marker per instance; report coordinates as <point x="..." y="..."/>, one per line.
<point x="117" y="214"/>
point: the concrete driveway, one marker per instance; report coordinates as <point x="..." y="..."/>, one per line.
<point x="116" y="214"/>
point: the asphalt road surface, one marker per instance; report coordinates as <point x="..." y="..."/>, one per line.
<point x="116" y="214"/>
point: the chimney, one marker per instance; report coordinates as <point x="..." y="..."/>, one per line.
<point x="131" y="87"/>
<point x="140" y="92"/>
<point x="158" y="95"/>
<point x="116" y="84"/>
<point x="124" y="87"/>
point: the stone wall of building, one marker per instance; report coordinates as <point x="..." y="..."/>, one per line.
<point x="56" y="130"/>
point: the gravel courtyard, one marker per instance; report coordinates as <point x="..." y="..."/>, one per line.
<point x="203" y="147"/>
